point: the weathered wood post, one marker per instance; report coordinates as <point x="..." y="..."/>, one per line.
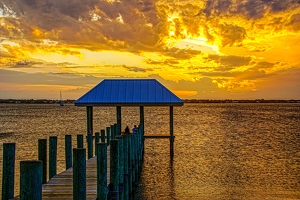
<point x="112" y="132"/>
<point x="89" y="113"/>
<point x="31" y="180"/>
<point x="126" y="180"/>
<point x="8" y="170"/>
<point x="96" y="142"/>
<point x="121" y="167"/>
<point x="136" y="164"/>
<point x="108" y="136"/>
<point x="171" y="133"/>
<point x="103" y="136"/>
<point x="119" y="121"/>
<point x="102" y="171"/>
<point x="42" y="156"/>
<point x="68" y="151"/>
<point x="130" y="165"/>
<point x="142" y="118"/>
<point x="80" y="141"/>
<point x="90" y="145"/>
<point x="52" y="156"/>
<point x="113" y="193"/>
<point x="116" y="130"/>
<point x="79" y="174"/>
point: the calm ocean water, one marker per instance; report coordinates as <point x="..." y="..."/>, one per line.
<point x="222" y="151"/>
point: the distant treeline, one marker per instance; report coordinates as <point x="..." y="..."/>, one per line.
<point x="70" y="101"/>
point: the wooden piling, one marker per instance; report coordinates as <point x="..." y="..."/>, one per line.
<point x="52" y="156"/>
<point x="130" y="165"/>
<point x="126" y="181"/>
<point x="114" y="170"/>
<point x="121" y="167"/>
<point x="68" y="151"/>
<point x="102" y="171"/>
<point x="96" y="142"/>
<point x="112" y="132"/>
<point x="119" y="121"/>
<point x="8" y="170"/>
<point x="80" y="141"/>
<point x="90" y="145"/>
<point x="42" y="156"/>
<point x="116" y="129"/>
<point x="108" y="136"/>
<point x="89" y="113"/>
<point x="171" y="133"/>
<point x="31" y="180"/>
<point x="79" y="174"/>
<point x="103" y="136"/>
<point x="136" y="163"/>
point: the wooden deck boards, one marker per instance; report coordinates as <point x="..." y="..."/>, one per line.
<point x="61" y="185"/>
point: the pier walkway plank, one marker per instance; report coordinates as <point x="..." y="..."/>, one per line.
<point x="60" y="186"/>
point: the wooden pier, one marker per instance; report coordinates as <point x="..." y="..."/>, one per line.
<point x="60" y="186"/>
<point x="111" y="174"/>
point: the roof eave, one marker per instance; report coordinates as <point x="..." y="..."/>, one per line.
<point x="129" y="104"/>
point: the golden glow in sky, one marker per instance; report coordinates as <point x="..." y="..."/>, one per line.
<point x="212" y="49"/>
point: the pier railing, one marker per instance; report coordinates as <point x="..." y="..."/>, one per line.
<point x="124" y="162"/>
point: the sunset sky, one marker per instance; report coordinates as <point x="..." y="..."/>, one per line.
<point x="199" y="49"/>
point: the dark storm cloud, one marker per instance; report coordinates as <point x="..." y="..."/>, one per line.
<point x="248" y="8"/>
<point x="8" y="76"/>
<point x="91" y="23"/>
<point x="231" y="34"/>
<point x="169" y="62"/>
<point x="230" y="61"/>
<point x="137" y="69"/>
<point x="180" y="53"/>
<point x="251" y="74"/>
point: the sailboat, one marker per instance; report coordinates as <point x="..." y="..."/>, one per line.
<point x="61" y="101"/>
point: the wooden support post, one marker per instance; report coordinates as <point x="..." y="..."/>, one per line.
<point x="116" y="130"/>
<point x="141" y="125"/>
<point x="96" y="142"/>
<point x="131" y="165"/>
<point x="121" y="167"/>
<point x="80" y="141"/>
<point x="108" y="136"/>
<point x="136" y="160"/>
<point x="142" y="118"/>
<point x="42" y="156"/>
<point x="119" y="120"/>
<point x="126" y="181"/>
<point x="68" y="151"/>
<point x="90" y="145"/>
<point x="112" y="132"/>
<point x="102" y="171"/>
<point x="171" y="133"/>
<point x="79" y="174"/>
<point x="31" y="180"/>
<point x="52" y="156"/>
<point x="8" y="170"/>
<point x="103" y="136"/>
<point x="113" y="193"/>
<point x="89" y="112"/>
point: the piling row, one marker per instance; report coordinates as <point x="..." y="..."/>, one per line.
<point x="126" y="155"/>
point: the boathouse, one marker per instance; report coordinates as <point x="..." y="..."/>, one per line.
<point x="130" y="92"/>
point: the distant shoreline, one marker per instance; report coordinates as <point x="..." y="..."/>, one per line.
<point x="70" y="101"/>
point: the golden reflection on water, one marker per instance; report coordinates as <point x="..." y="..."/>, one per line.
<point x="222" y="151"/>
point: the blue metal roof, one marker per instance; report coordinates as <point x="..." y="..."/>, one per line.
<point x="129" y="92"/>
